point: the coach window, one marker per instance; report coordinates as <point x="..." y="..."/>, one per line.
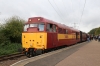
<point x="60" y="30"/>
<point x="41" y="26"/>
<point x="66" y="31"/>
<point x="76" y="35"/>
<point x="49" y="27"/>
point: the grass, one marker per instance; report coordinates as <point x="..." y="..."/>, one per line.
<point x="9" y="48"/>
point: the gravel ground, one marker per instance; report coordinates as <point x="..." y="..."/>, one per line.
<point x="11" y="61"/>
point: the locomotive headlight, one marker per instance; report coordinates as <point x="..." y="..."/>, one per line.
<point x="29" y="19"/>
<point x="38" y="19"/>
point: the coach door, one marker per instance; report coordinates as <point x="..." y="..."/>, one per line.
<point x="76" y="35"/>
<point x="51" y="35"/>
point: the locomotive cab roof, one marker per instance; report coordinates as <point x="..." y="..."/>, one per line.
<point x="41" y="19"/>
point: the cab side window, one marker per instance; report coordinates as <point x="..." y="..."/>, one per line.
<point x="41" y="26"/>
<point x="49" y="28"/>
<point x="54" y="28"/>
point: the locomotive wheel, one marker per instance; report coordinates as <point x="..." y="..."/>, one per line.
<point x="30" y="53"/>
<point x="43" y="52"/>
<point x="29" y="56"/>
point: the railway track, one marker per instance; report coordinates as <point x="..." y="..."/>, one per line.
<point x="12" y="56"/>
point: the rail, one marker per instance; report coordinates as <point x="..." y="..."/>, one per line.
<point x="6" y="57"/>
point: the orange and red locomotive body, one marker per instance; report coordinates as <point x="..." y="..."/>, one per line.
<point x="41" y="34"/>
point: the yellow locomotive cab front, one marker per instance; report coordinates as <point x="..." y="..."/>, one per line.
<point x="34" y="40"/>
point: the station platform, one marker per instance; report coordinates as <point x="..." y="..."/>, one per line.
<point x="82" y="54"/>
<point x="88" y="55"/>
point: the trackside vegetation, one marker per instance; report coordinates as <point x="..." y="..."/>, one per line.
<point x="9" y="48"/>
<point x="10" y="35"/>
<point x="95" y="31"/>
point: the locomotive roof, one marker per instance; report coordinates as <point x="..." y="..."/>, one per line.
<point x="41" y="19"/>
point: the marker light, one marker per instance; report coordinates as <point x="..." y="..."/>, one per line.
<point x="29" y="19"/>
<point x="38" y="19"/>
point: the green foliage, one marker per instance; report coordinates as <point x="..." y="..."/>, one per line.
<point x="3" y="38"/>
<point x="95" y="31"/>
<point x="9" y="48"/>
<point x="10" y="35"/>
<point x="92" y="31"/>
<point x="12" y="29"/>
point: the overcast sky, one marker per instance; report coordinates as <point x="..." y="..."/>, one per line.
<point x="66" y="12"/>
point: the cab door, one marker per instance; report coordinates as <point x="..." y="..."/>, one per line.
<point x="51" y="36"/>
<point x="55" y="36"/>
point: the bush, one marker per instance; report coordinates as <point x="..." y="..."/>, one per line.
<point x="13" y="29"/>
<point x="10" y="35"/>
<point x="9" y="48"/>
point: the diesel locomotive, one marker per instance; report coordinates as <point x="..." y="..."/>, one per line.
<point x="40" y="34"/>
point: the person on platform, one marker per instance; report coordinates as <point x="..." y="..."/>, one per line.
<point x="99" y="38"/>
<point x="88" y="38"/>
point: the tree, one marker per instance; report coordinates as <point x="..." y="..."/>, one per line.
<point x="92" y="31"/>
<point x="13" y="29"/>
<point x="97" y="32"/>
<point x="3" y="38"/>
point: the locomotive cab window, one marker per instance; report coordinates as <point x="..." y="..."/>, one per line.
<point x="37" y="26"/>
<point x="33" y="25"/>
<point x="41" y="26"/>
<point x="26" y="26"/>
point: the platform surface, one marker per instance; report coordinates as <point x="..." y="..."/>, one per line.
<point x="82" y="54"/>
<point x="88" y="55"/>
